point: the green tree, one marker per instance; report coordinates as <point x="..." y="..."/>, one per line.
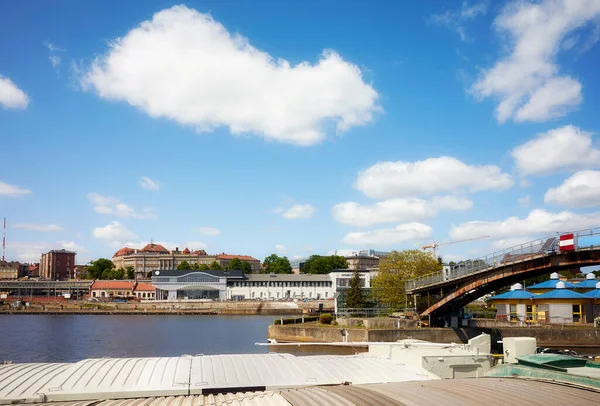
<point x="246" y="267"/>
<point x="204" y="267"/>
<point x="215" y="266"/>
<point x="354" y="295"/>
<point x="276" y="264"/>
<point x="130" y="272"/>
<point x="396" y="269"/>
<point x="100" y="268"/>
<point x="118" y="274"/>
<point x="196" y="267"/>
<point x="338" y="262"/>
<point x="235" y="264"/>
<point x="269" y="261"/>
<point x="184" y="265"/>
<point x="317" y="264"/>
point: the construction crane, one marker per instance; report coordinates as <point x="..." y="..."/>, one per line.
<point x="435" y="245"/>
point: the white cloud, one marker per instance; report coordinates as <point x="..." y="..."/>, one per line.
<point x="562" y="148"/>
<point x="54" y="60"/>
<point x="11" y="97"/>
<point x="112" y="205"/>
<point x="297" y="211"/>
<point x="38" y="227"/>
<point x="456" y="19"/>
<point x="444" y="174"/>
<point x="527" y="80"/>
<point x="32" y="251"/>
<point x="149" y="184"/>
<point x="391" y="236"/>
<point x="114" y="232"/>
<point x="209" y="231"/>
<point x="12" y="190"/>
<point x="580" y="190"/>
<point x="397" y="210"/>
<point x="185" y="66"/>
<point x="510" y="242"/>
<point x="538" y="222"/>
<point x="525" y="201"/>
<point x="280" y="248"/>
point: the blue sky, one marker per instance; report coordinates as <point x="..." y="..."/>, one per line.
<point x="297" y="127"/>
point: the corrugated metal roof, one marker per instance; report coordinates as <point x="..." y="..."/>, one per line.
<point x="514" y="294"/>
<point x="273" y="371"/>
<point x="551" y="284"/>
<point x="560" y="294"/>
<point x="594" y="294"/>
<point x="459" y="392"/>
<point x="143" y="377"/>
<point x="587" y="284"/>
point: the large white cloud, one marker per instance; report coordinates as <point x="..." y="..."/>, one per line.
<point x="11" y="97"/>
<point x="397" y="210"/>
<point x="115" y="233"/>
<point x="390" y="236"/>
<point x="527" y="81"/>
<point x="112" y="205"/>
<point x="536" y="223"/>
<point x="386" y="180"/>
<point x="185" y="66"/>
<point x="12" y="190"/>
<point x="31" y="251"/>
<point x="567" y="148"/>
<point x="580" y="190"/>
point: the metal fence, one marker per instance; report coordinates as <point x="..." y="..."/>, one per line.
<point x="584" y="240"/>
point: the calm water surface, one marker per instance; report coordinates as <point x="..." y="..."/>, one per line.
<point x="50" y="338"/>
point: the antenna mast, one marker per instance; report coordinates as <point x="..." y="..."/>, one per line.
<point x="4" y="239"/>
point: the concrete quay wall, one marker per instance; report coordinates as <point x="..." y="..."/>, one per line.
<point x="160" y="307"/>
<point x="550" y="337"/>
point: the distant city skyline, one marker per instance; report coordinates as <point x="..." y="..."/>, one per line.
<point x="297" y="128"/>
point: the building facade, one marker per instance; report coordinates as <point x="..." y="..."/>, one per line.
<point x="191" y="284"/>
<point x="9" y="270"/>
<point x="362" y="262"/>
<point x="280" y="287"/>
<point x="225" y="259"/>
<point x="110" y="290"/>
<point x="156" y="257"/>
<point x="57" y="265"/>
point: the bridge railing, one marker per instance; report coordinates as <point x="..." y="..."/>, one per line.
<point x="584" y="239"/>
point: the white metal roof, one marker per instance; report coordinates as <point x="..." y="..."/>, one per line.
<point x="459" y="392"/>
<point x="119" y="378"/>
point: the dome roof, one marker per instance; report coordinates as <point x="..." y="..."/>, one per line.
<point x="124" y="251"/>
<point x="155" y="248"/>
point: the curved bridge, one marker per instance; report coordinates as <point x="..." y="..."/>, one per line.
<point x="470" y="280"/>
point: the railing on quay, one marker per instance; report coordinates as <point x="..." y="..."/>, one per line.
<point x="5" y="284"/>
<point x="509" y="256"/>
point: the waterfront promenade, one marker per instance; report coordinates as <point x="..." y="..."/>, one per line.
<point x="165" y="307"/>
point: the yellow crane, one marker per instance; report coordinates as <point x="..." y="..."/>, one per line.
<point x="435" y="245"/>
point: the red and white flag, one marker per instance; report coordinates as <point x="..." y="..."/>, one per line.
<point x="567" y="242"/>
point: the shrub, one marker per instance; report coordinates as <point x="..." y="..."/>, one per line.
<point x="597" y="322"/>
<point x="325" y="318"/>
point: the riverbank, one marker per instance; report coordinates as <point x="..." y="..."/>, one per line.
<point x="388" y="330"/>
<point x="171" y="308"/>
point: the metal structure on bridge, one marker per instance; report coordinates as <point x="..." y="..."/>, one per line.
<point x="472" y="279"/>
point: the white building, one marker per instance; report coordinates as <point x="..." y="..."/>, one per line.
<point x="280" y="286"/>
<point x="341" y="278"/>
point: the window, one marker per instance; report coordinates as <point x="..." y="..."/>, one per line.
<point x="576" y="313"/>
<point x="326" y="293"/>
<point x="261" y="294"/>
<point x="513" y="312"/>
<point x="529" y="312"/>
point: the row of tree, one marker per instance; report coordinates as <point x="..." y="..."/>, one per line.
<point x="235" y="264"/>
<point x="103" y="268"/>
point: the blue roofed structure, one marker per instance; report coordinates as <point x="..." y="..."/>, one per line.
<point x="560" y="293"/>
<point x="551" y="284"/>
<point x="593" y="294"/>
<point x="517" y="294"/>
<point x="590" y="282"/>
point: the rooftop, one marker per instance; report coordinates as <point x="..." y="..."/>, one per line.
<point x="103" y="285"/>
<point x="234" y="273"/>
<point x="514" y="294"/>
<point x="287" y="277"/>
<point x="560" y="294"/>
<point x="240" y="257"/>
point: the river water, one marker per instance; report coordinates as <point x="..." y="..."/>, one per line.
<point x="68" y="338"/>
